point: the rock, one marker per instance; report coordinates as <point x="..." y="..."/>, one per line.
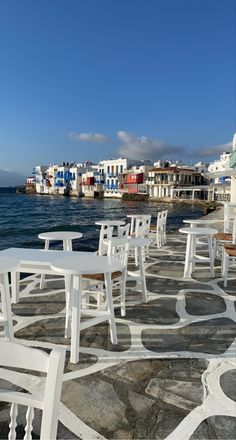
<point x="96" y="403"/>
<point x="204" y="303"/>
<point x="228" y="384"/>
<point x="139" y="402"/>
<point x="184" y="395"/>
<point x="132" y="372"/>
<point x="218" y="428"/>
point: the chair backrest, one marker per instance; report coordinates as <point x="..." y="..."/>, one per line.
<point x="119" y="248"/>
<point x="124" y="231"/>
<point x="17" y="356"/>
<point x="162" y="218"/>
<point x="142" y="226"/>
<point x="105" y="234"/>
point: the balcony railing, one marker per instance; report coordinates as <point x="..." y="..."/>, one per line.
<point x="232" y="160"/>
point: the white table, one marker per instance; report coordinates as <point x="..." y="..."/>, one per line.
<point x="32" y="261"/>
<point x="7" y="264"/>
<point x="190" y="257"/>
<point x="76" y="268"/>
<point x="70" y="264"/>
<point x="202" y="221"/>
<point x="65" y="236"/>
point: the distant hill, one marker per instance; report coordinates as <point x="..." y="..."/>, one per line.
<point x="11" y="178"/>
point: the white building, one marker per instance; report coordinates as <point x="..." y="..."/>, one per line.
<point x="40" y="176"/>
<point x="219" y="166"/>
<point x="111" y="169"/>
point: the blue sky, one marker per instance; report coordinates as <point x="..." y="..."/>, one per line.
<point x="95" y="79"/>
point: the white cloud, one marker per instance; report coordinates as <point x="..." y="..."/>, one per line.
<point x="213" y="151"/>
<point x="145" y="148"/>
<point x="97" y="138"/>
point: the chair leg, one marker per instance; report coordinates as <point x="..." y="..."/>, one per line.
<point x="211" y="255"/>
<point x="122" y="296"/>
<point x="110" y="307"/>
<point x="187" y="268"/>
<point x="226" y="267"/>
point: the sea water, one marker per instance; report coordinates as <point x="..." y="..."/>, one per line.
<point x="24" y="216"/>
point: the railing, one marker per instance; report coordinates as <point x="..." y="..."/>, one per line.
<point x="232" y="160"/>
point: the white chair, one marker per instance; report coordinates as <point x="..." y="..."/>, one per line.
<point x="142" y="228"/>
<point x="7" y="264"/>
<point x="222" y="238"/>
<point x="119" y="249"/>
<point x="229" y="255"/>
<point x="124" y="231"/>
<point x="229" y="259"/>
<point x="16" y="356"/>
<point x="106" y="233"/>
<point x="157" y="233"/>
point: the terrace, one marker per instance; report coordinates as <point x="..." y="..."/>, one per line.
<point x="172" y="374"/>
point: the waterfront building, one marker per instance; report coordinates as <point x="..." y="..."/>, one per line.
<point x="111" y="169"/>
<point x="39" y="172"/>
<point x="175" y="182"/>
<point x="220" y="177"/>
<point x="93" y="184"/>
<point x="220" y="165"/>
<point x="133" y="181"/>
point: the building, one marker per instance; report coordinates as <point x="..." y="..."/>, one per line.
<point x="93" y="184"/>
<point x="39" y="173"/>
<point x="111" y="169"/>
<point x="220" y="165"/>
<point x="175" y="182"/>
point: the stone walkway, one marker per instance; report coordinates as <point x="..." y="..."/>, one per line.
<point x="173" y="374"/>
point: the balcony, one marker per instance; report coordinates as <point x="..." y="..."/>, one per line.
<point x="232" y="160"/>
<point x="108" y="187"/>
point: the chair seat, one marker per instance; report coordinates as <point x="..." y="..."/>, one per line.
<point x="230" y="246"/>
<point x="100" y="276"/>
<point x="230" y="252"/>
<point x="224" y="236"/>
<point x="153" y="227"/>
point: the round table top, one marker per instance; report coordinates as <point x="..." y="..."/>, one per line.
<point x="202" y="221"/>
<point x="138" y="215"/>
<point x="200" y="231"/>
<point x="85" y="263"/>
<point x="60" y="235"/>
<point x="8" y="264"/>
<point x="110" y="223"/>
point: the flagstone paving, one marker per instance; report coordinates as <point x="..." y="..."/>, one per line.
<point x="173" y="373"/>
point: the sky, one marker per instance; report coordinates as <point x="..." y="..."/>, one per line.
<point x="100" y="79"/>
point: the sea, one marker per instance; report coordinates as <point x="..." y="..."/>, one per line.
<point x="24" y="216"/>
